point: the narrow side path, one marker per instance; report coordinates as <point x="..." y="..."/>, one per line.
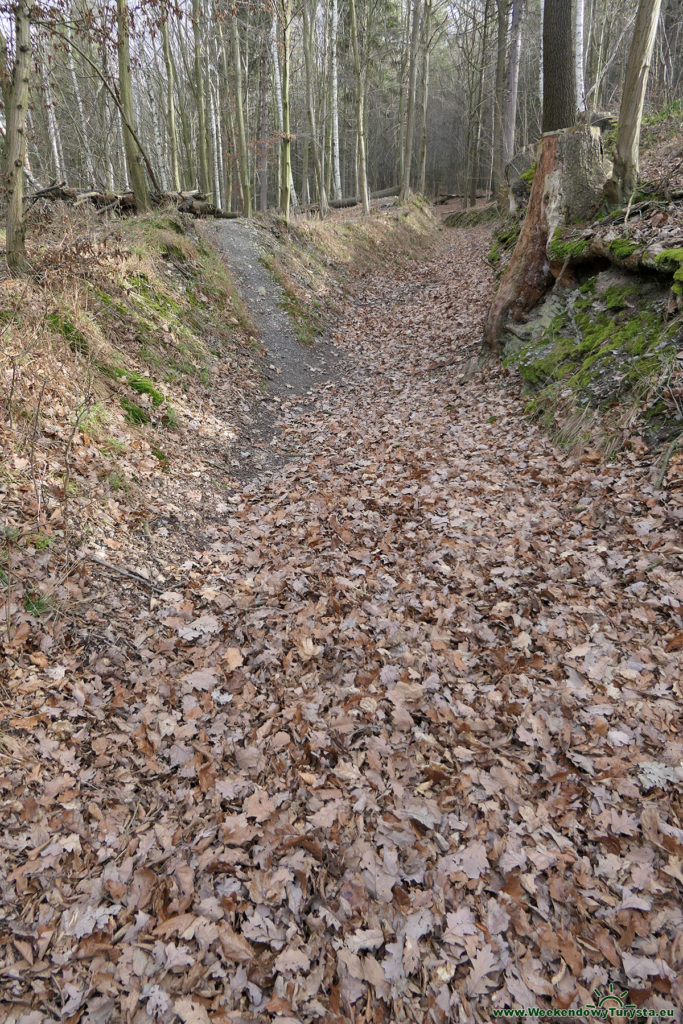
<point x="405" y="748"/>
<point x="290" y="370"/>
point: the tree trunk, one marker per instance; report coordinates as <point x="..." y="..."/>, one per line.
<point x="362" y="164"/>
<point x="559" y="82"/>
<point x="475" y="139"/>
<point x="16" y="141"/>
<point x="568" y="183"/>
<point x="170" y="100"/>
<point x="239" y="114"/>
<point x="512" y="82"/>
<point x="578" y="54"/>
<point x="136" y="172"/>
<point x="202" y="146"/>
<point x="312" y="121"/>
<point x="426" y="47"/>
<point x="335" y="102"/>
<point x="286" y="187"/>
<point x="499" y="98"/>
<point x="263" y="133"/>
<point x="51" y="117"/>
<point x="410" y="115"/>
<point x="627" y="163"/>
<point x="89" y="169"/>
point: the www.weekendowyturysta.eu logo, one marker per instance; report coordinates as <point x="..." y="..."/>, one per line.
<point x="609" y="1005"/>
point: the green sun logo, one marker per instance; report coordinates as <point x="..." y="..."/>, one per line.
<point x="612" y="1000"/>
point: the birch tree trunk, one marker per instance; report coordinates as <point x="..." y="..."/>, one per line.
<point x="17" y="96"/>
<point x="579" y="16"/>
<point x="410" y="114"/>
<point x="336" y="170"/>
<point x="362" y="163"/>
<point x="136" y="172"/>
<point x="170" y="100"/>
<point x="627" y="163"/>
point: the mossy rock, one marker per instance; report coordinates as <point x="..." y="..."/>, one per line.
<point x="601" y="343"/>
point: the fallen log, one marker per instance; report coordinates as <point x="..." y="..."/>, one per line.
<point x="343" y="204"/>
<point x="193" y="202"/>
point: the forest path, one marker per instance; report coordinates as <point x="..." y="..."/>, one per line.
<point x="403" y="741"/>
<point x="292" y="372"/>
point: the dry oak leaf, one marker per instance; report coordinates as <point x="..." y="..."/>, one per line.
<point x="191" y="1012"/>
<point x="292" y="960"/>
<point x="483" y="964"/>
<point x="202" y="679"/>
<point x="234" y="946"/>
<point x="259" y="805"/>
<point x="233" y="658"/>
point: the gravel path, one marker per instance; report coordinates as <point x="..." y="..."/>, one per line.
<point x="290" y="370"/>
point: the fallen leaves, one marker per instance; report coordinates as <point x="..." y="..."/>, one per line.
<point x="402" y="742"/>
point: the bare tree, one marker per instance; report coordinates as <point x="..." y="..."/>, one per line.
<point x="17" y="105"/>
<point x="627" y="162"/>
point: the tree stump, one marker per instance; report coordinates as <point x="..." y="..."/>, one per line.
<point x="571" y="171"/>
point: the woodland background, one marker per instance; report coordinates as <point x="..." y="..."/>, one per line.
<point x="426" y="95"/>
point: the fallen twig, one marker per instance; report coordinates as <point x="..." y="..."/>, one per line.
<point x="130" y="573"/>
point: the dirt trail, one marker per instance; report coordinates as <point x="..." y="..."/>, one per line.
<point x="405" y="743"/>
<point x="290" y="370"/>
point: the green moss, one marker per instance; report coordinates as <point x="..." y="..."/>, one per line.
<point x="62" y="325"/>
<point x="622" y="248"/>
<point x="561" y="249"/>
<point x="167" y="224"/>
<point x="528" y="176"/>
<point x="158" y="454"/>
<point x="593" y="355"/>
<point x="616" y="295"/>
<point x="588" y="287"/>
<point x="504" y="241"/>
<point x="134" y="414"/>
<point x="144" y="386"/>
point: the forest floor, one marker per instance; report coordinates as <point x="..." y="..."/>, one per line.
<point x="402" y="740"/>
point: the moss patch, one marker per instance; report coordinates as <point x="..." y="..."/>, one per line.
<point x="605" y="346"/>
<point x="566" y="248"/>
<point x="622" y="248"/>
